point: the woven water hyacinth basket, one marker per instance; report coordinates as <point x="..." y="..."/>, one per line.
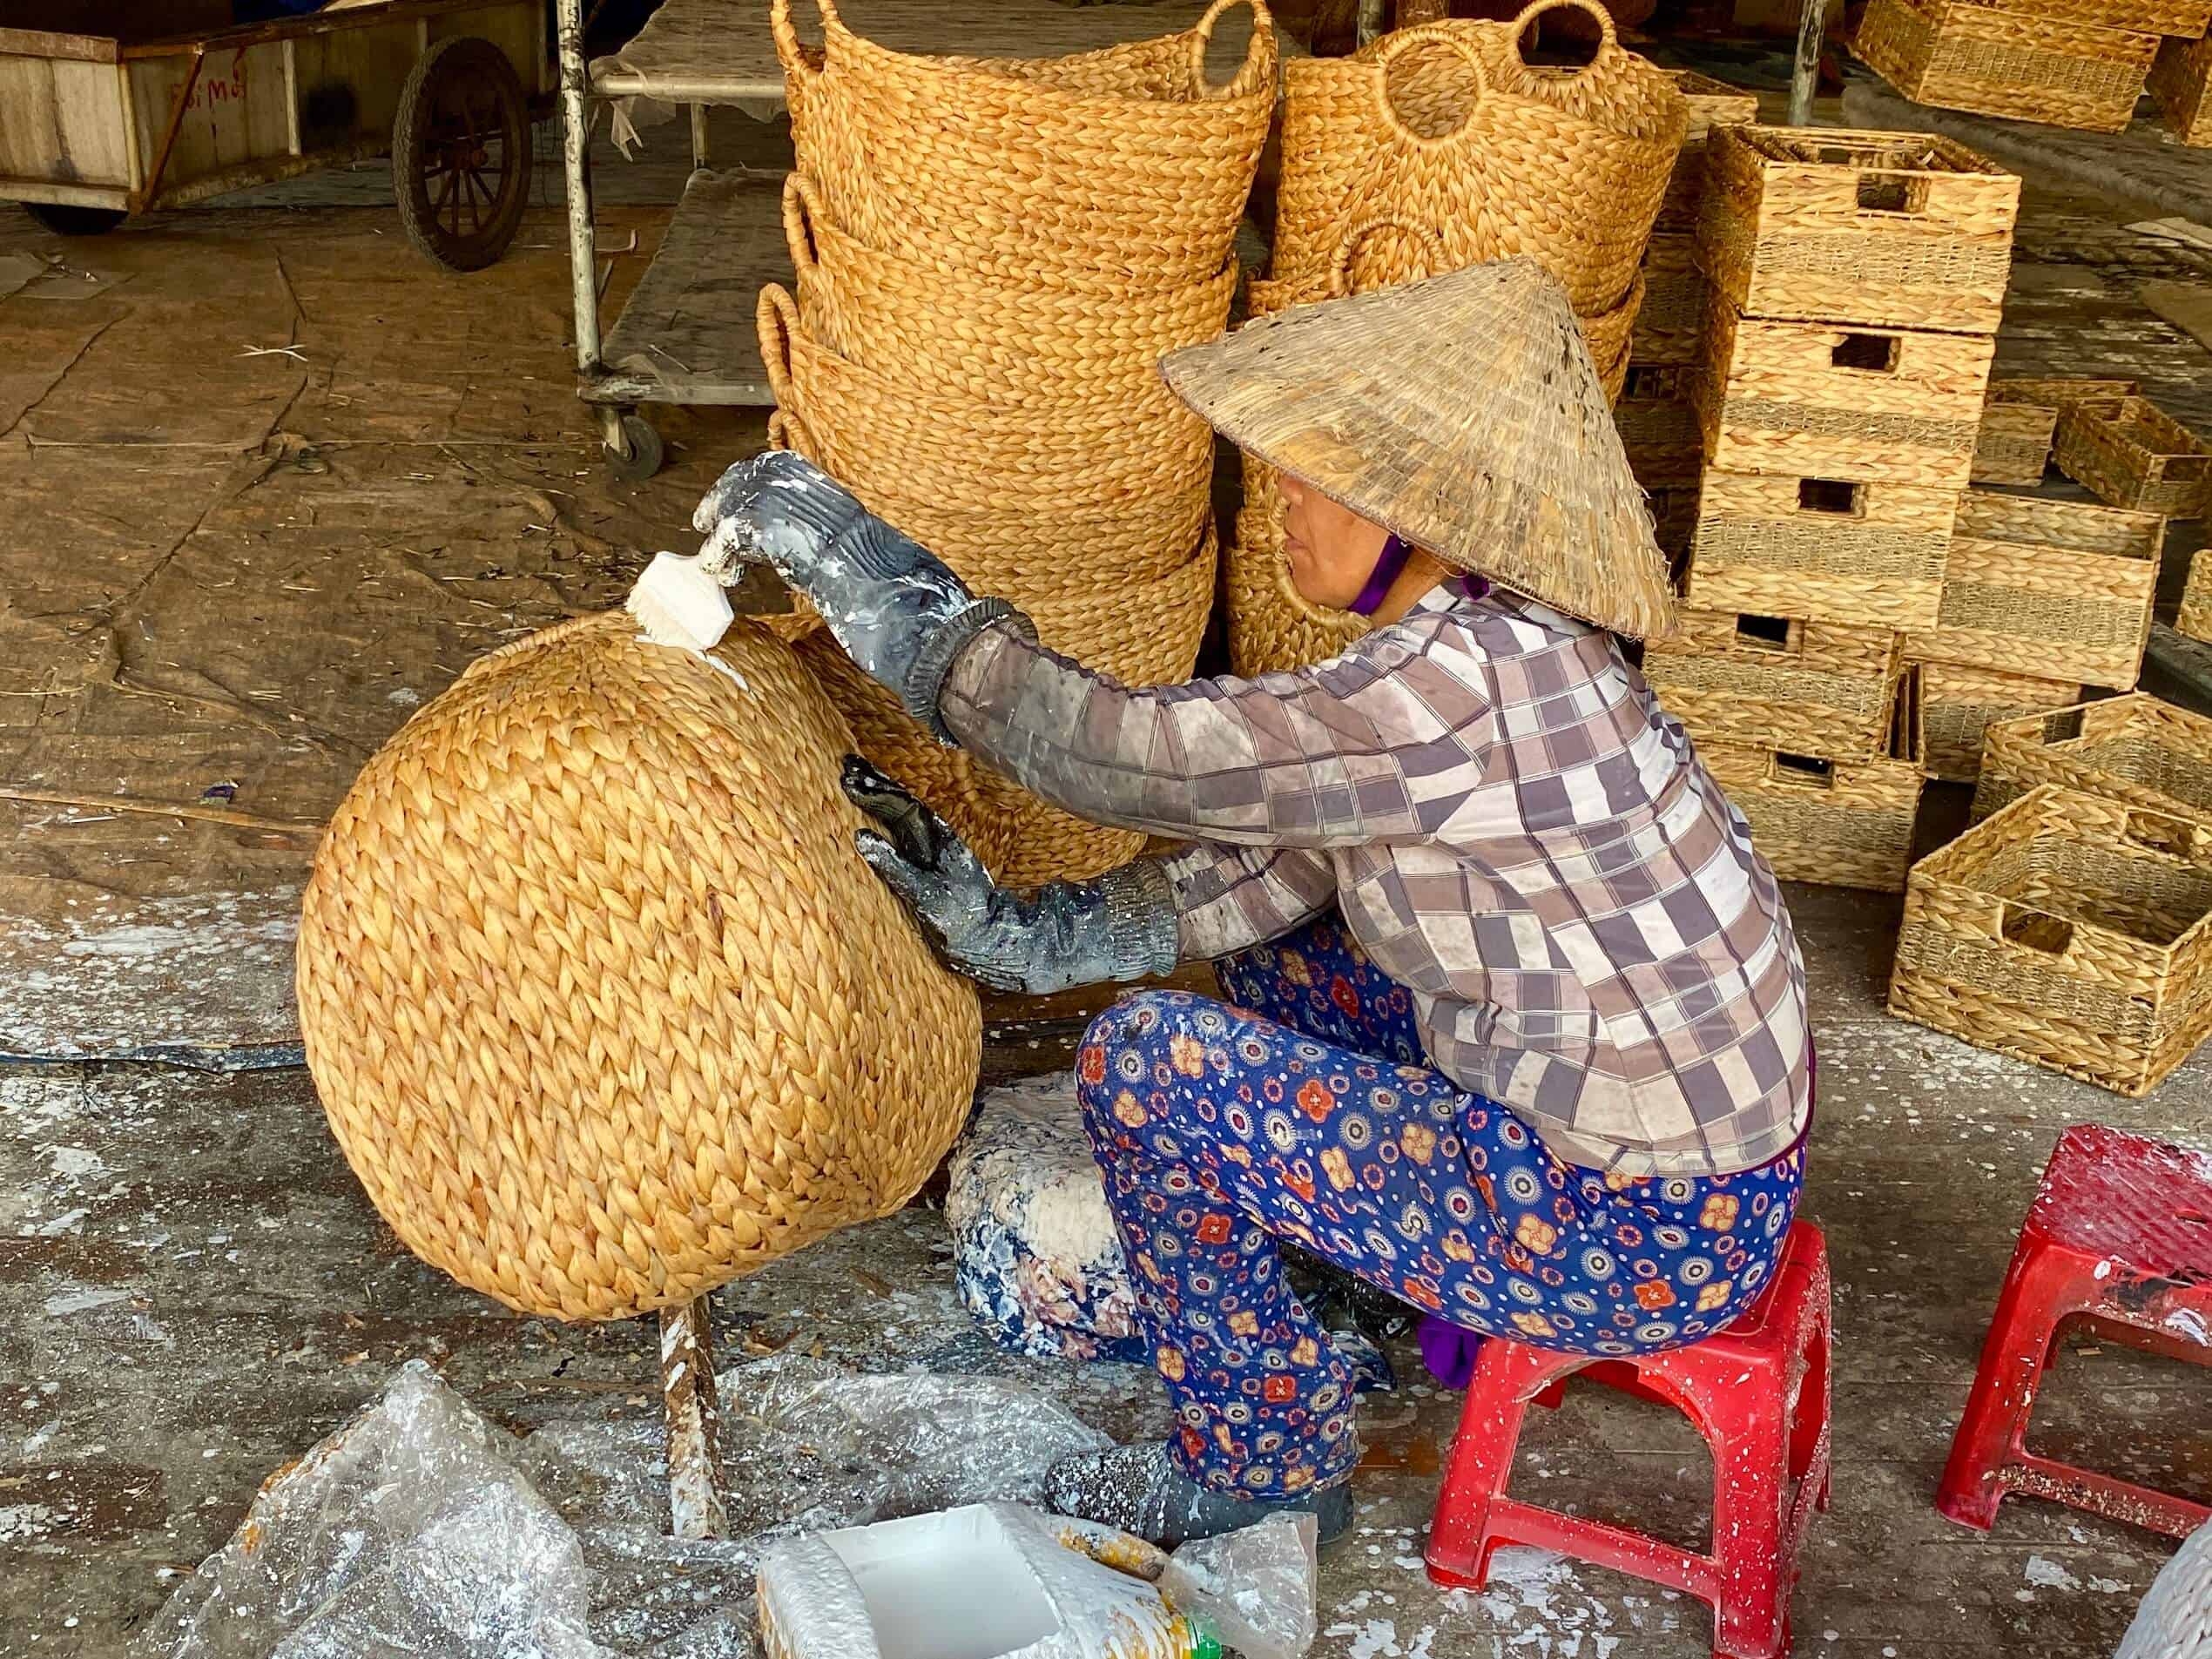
<point x="1712" y="103"/>
<point x="2019" y="421"/>
<point x="1821" y="549"/>
<point x="2068" y="931"/>
<point x="2133" y="454"/>
<point x="2063" y="586"/>
<point x="1966" y="55"/>
<point x="2195" y="618"/>
<point x="603" y="1005"/>
<point x="1670" y="324"/>
<point x="1806" y="688"/>
<point x="2133" y="749"/>
<point x="2180" y="81"/>
<point x="1829" y="225"/>
<point x="1658" y="425"/>
<point x="1957" y="704"/>
<point x="1141" y="634"/>
<point x="1110" y="170"/>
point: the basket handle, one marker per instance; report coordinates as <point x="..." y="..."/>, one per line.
<point x="2172" y="838"/>
<point x="2038" y="933"/>
<point x="1608" y="38"/>
<point x="1259" y="52"/>
<point x="1799" y="771"/>
<point x="802" y="207"/>
<point x="1458" y="40"/>
<point x="1340" y="266"/>
<point x="777" y="318"/>
<point x="798" y="58"/>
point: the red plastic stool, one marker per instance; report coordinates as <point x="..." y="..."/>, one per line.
<point x="1757" y="1393"/>
<point x="2120" y="1235"/>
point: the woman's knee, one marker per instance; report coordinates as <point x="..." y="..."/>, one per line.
<point x="1120" y="1045"/>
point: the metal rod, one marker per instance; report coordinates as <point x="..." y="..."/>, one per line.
<point x="575" y="139"/>
<point x="1369" y="21"/>
<point x="695" y="1507"/>
<point x="1804" y="79"/>
<point x="176" y="124"/>
<point x="698" y="138"/>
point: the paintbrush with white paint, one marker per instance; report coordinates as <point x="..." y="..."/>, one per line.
<point x="683" y="600"/>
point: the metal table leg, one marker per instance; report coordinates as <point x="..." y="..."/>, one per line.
<point x="584" y="254"/>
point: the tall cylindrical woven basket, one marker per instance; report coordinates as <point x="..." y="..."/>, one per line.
<point x="603" y="1005"/>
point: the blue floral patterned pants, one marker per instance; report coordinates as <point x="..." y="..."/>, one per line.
<point x="1308" y="1113"/>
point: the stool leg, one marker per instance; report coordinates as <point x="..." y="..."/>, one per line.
<point x="1809" y="1429"/>
<point x="2042" y="1287"/>
<point x="1750" y="1461"/>
<point x="1507" y="1377"/>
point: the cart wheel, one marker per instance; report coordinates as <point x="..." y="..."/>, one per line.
<point x="646" y="452"/>
<point x="66" y="220"/>
<point x="461" y="154"/>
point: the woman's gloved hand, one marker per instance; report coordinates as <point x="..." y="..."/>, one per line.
<point x="1121" y="927"/>
<point x="899" y="613"/>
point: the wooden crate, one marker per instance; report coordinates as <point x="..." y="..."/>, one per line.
<point x="1813" y="399"/>
<point x="1963" y="55"/>
<point x="2195" y="619"/>
<point x="2135" y="749"/>
<point x="1957" y="704"/>
<point x="1836" y="823"/>
<point x="1827" y="225"/>
<point x="2179" y="81"/>
<point x="1671" y="325"/>
<point x="1820" y="688"/>
<point x="1658" y="425"/>
<point x="1824" y="549"/>
<point x="2066" y="930"/>
<point x="2060" y="586"/>
<point x="1712" y="103"/>
<point x="2131" y="453"/>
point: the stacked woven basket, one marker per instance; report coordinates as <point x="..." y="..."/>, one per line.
<point x="2069" y="63"/>
<point x="1434" y="148"/>
<point x="992" y="257"/>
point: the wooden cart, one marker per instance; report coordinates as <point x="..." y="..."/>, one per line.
<point x="97" y="122"/>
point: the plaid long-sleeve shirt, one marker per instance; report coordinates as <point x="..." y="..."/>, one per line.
<point x="1512" y="829"/>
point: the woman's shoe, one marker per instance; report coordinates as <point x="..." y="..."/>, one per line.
<point x="1140" y="1489"/>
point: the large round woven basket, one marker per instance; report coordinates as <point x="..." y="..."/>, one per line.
<point x="1119" y="169"/>
<point x="1145" y="634"/>
<point x="603" y="1005"/>
<point x="1064" y="356"/>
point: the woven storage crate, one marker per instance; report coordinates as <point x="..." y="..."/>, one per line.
<point x="1670" y="326"/>
<point x="1813" y="688"/>
<point x="1712" y="103"/>
<point x="1820" y="548"/>
<point x="1145" y="634"/>
<point x="1824" y="225"/>
<point x="1113" y="169"/>
<point x="1963" y="55"/>
<point x="2195" y="619"/>
<point x="2131" y="453"/>
<point x="2062" y="586"/>
<point x="2066" y="930"/>
<point x="1835" y="823"/>
<point x="1793" y="398"/>
<point x="2133" y="749"/>
<point x="1957" y="704"/>
<point x="2180" y="79"/>
<point x="1674" y="525"/>
<point x="2013" y="446"/>
<point x="1658" y="425"/>
<point x="596" y="993"/>
<point x="1067" y="355"/>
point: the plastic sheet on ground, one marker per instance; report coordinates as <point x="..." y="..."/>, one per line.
<point x="1255" y="1586"/>
<point x="421" y="1528"/>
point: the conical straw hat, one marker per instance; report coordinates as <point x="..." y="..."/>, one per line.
<point x="1463" y="414"/>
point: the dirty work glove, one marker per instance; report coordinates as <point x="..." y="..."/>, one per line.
<point x="1121" y="927"/>
<point x="899" y="613"/>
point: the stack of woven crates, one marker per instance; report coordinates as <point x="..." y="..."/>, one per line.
<point x="1658" y="426"/>
<point x="1857" y="281"/>
<point x="2068" y="63"/>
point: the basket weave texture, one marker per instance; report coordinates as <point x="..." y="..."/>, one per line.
<point x="1825" y="689"/>
<point x="2013" y="446"/>
<point x="1789" y="397"/>
<point x="1712" y="103"/>
<point x="1964" y="55"/>
<point x="1828" y="224"/>
<point x="2181" y="80"/>
<point x="2063" y="585"/>
<point x="1957" y="704"/>
<point x="2066" y="930"/>
<point x="1838" y="824"/>
<point x="1657" y="421"/>
<point x="1117" y="169"/>
<point x="2133" y="749"/>
<point x="2195" y="618"/>
<point x="1670" y="324"/>
<point x="1876" y="561"/>
<point x="2133" y="454"/>
<point x="595" y="991"/>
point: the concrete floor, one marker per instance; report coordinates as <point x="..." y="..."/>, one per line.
<point x="194" y="1290"/>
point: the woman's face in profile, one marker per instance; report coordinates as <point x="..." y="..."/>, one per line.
<point x="1331" y="548"/>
